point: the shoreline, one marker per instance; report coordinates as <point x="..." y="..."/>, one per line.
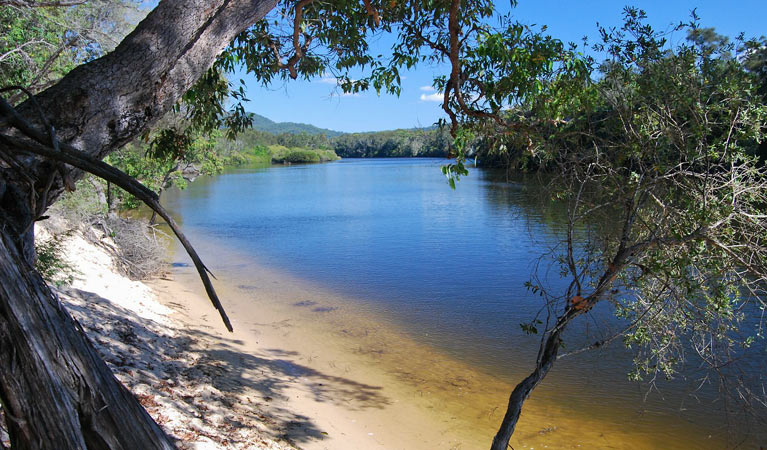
<point x="326" y="330"/>
<point x="214" y="390"/>
<point x="347" y="403"/>
<point x="304" y="367"/>
<point x="160" y="358"/>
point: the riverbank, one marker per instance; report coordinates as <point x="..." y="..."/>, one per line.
<point x="279" y="154"/>
<point x="211" y="389"/>
<point x="304" y="368"/>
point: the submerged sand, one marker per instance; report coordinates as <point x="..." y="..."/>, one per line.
<point x="307" y="368"/>
<point x="392" y="391"/>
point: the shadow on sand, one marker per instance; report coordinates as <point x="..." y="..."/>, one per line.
<point x="219" y="391"/>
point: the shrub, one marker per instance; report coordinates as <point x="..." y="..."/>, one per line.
<point x="281" y="154"/>
<point x="83" y="203"/>
<point x="52" y="263"/>
<point x="135" y="247"/>
<point x="138" y="251"/>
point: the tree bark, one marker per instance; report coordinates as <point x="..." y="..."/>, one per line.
<point x="162" y="188"/>
<point x="547" y="356"/>
<point x="99" y="192"/>
<point x="100" y="106"/>
<point x="55" y="391"/>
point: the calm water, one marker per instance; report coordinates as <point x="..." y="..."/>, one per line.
<point x="390" y="232"/>
<point x="447" y="265"/>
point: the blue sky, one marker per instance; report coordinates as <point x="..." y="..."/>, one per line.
<point x="317" y="102"/>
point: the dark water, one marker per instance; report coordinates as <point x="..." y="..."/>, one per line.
<point x="448" y="265"/>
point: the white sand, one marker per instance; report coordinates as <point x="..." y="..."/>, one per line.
<point x="281" y="381"/>
<point x="210" y="389"/>
<point x="159" y="359"/>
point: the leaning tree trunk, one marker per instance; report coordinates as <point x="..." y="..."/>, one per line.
<point x="547" y="356"/>
<point x="56" y="393"/>
<point x="549" y="350"/>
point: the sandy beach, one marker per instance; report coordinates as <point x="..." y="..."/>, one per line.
<point x="212" y="389"/>
<point x="304" y="368"/>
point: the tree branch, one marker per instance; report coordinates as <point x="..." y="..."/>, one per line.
<point x="70" y="155"/>
<point x="34" y="4"/>
<point x="372" y="12"/>
<point x="298" y="49"/>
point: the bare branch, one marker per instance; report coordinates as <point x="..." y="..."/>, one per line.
<point x="20" y="48"/>
<point x="372" y="12"/>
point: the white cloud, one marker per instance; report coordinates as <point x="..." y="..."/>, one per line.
<point x="435" y="97"/>
<point x="327" y="79"/>
<point x="427" y="88"/>
<point x="345" y="94"/>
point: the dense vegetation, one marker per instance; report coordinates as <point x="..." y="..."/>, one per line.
<point x="655" y="151"/>
<point x="261" y="147"/>
<point x="390" y="144"/>
<point x="39" y="45"/>
<point x="516" y="137"/>
<point x="250" y="139"/>
<point x="284" y="155"/>
<point x="417" y="142"/>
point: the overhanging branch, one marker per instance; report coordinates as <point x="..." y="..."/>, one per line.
<point x="69" y="155"/>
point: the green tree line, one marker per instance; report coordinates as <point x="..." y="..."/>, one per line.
<point x="417" y="142"/>
<point x="434" y="142"/>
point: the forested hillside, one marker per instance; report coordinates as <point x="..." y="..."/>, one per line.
<point x="262" y="123"/>
<point x="414" y="142"/>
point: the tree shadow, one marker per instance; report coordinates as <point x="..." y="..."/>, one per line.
<point x="204" y="377"/>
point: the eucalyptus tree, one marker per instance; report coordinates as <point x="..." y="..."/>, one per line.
<point x="55" y="391"/>
<point x="658" y="150"/>
<point x="755" y="61"/>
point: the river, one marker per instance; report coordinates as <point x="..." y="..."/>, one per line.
<point x="447" y="267"/>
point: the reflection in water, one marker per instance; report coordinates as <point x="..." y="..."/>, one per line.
<point x="446" y="266"/>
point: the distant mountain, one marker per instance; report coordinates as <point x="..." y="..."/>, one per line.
<point x="261" y="123"/>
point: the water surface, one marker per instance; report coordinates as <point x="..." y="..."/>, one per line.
<point x="448" y="266"/>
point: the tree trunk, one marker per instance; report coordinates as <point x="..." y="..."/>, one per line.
<point x="103" y="201"/>
<point x="110" y="200"/>
<point x="162" y="188"/>
<point x="55" y="390"/>
<point x="547" y="356"/>
<point x="102" y="105"/>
